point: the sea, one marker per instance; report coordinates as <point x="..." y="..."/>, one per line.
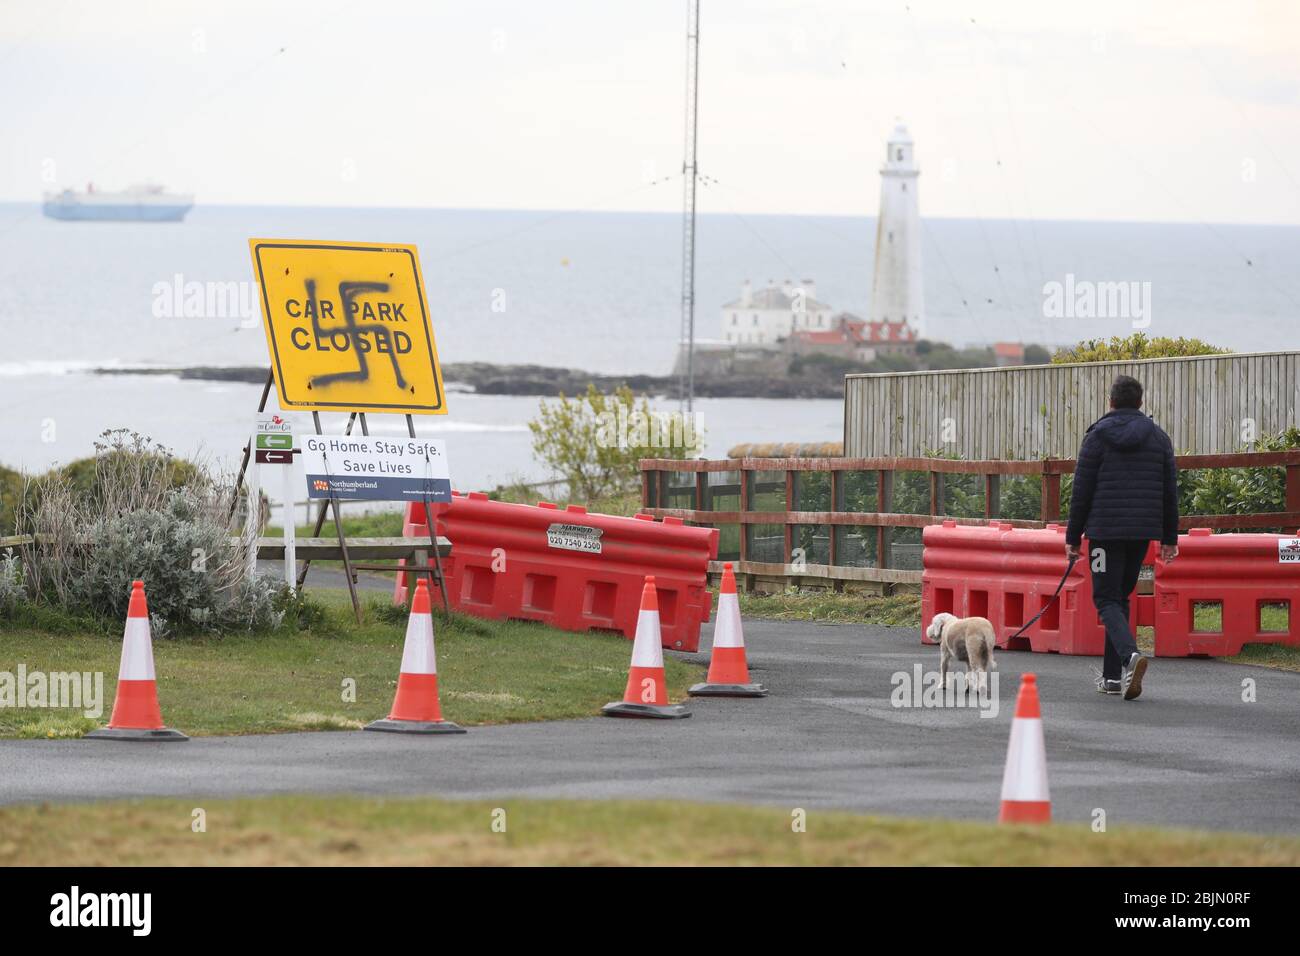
<point x="598" y="291"/>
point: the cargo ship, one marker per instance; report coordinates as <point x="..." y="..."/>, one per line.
<point x="144" y="203"/>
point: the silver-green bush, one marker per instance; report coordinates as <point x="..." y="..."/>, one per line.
<point x="139" y="525"/>
<point x="194" y="572"/>
<point x="11" y="584"/>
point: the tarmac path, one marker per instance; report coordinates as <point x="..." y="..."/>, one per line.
<point x="1188" y="753"/>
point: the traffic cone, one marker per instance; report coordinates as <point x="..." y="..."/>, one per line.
<point x="647" y="693"/>
<point x="136" y="715"/>
<point x="1024" y="781"/>
<point x="728" y="672"/>
<point x="415" y="708"/>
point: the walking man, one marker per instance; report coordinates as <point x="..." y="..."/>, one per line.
<point x="1125" y="495"/>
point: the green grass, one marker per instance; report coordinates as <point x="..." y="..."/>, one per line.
<point x="381" y="524"/>
<point x="840" y="607"/>
<point x="490" y="672"/>
<point x="1277" y="656"/>
<point x="1208" y="616"/>
<point x="345" y="830"/>
<point x="1272" y="617"/>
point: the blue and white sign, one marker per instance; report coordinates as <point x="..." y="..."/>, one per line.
<point x="352" y="468"/>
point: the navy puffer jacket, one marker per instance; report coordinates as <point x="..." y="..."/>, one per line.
<point x="1125" y="482"/>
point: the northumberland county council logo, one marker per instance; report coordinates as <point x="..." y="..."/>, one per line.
<point x="320" y="485"/>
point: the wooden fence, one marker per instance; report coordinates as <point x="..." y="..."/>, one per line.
<point x="1209" y="404"/>
<point x="827" y="521"/>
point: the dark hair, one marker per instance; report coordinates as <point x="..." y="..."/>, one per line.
<point x="1126" y="392"/>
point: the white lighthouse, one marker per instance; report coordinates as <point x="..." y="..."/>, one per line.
<point x="896" y="290"/>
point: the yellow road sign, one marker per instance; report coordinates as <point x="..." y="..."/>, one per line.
<point x="347" y="326"/>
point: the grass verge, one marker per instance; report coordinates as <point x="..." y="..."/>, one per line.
<point x="346" y="830"/>
<point x="490" y="672"/>
<point x="1278" y="656"/>
<point x="379" y="524"/>
<point x="837" y="607"/>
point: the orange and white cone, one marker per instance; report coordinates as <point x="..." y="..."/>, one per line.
<point x="415" y="708"/>
<point x="136" y="714"/>
<point x="647" y="692"/>
<point x="1024" y="781"/>
<point x="728" y="671"/>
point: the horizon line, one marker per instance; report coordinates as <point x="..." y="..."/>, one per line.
<point x="545" y="210"/>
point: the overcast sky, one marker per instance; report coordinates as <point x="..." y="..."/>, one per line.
<point x="1091" y="109"/>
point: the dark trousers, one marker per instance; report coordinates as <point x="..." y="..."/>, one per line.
<point x="1114" y="576"/>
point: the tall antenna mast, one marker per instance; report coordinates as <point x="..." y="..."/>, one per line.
<point x="686" y="384"/>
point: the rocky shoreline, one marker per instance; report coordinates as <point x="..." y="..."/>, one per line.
<point x="485" y="378"/>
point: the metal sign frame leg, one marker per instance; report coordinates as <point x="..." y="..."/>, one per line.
<point x="338" y="527"/>
<point x="433" y="538"/>
<point x="323" y="510"/>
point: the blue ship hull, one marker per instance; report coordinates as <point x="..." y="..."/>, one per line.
<point x="125" y="212"/>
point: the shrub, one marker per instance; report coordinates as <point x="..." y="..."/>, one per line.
<point x="1136" y="346"/>
<point x="1239" y="490"/>
<point x="127" y="471"/>
<point x="126" y="465"/>
<point x="11" y="492"/>
<point x="825" y="366"/>
<point x="944" y="356"/>
<point x="302" y="613"/>
<point x="193" y="571"/>
<point x="1037" y="355"/>
<point x="141" y="514"/>
<point x="11" y="585"/>
<point x="1022" y="496"/>
<point x="595" y="442"/>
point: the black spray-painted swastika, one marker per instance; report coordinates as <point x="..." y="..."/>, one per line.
<point x="354" y="333"/>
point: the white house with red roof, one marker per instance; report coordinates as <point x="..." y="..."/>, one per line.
<point x="856" y="338"/>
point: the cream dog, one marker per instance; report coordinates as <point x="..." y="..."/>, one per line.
<point x="969" y="639"/>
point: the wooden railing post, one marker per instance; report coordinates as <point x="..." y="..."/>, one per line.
<point x="791" y="496"/>
<point x="837" y="504"/>
<point x="1050" y="505"/>
<point x="884" y="505"/>
<point x="992" y="495"/>
<point x="1292" y="493"/>
<point x="936" y="492"/>
<point x="746" y="494"/>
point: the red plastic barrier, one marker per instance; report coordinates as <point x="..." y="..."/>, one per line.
<point x="573" y="570"/>
<point x="1239" y="572"/>
<point x="1007" y="575"/>
<point x="413" y="526"/>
